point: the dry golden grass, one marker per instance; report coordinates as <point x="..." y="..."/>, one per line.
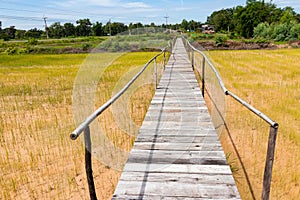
<point x="270" y="81"/>
<point x="37" y="158"/>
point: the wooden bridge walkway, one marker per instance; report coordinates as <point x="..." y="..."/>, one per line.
<point x="177" y="153"/>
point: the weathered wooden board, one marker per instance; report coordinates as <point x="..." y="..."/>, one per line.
<point x="178" y="146"/>
<point x="179" y="190"/>
<point x="177" y="153"/>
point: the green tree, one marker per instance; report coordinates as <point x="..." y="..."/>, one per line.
<point x="288" y="15"/>
<point x="84" y="27"/>
<point x="33" y="33"/>
<point x="97" y="29"/>
<point x="20" y="34"/>
<point x="117" y="27"/>
<point x="248" y="17"/>
<point x="193" y="25"/>
<point x="223" y="20"/>
<point x="56" y="30"/>
<point x="297" y="17"/>
<point x="132" y="26"/>
<point x="69" y="29"/>
<point x="184" y="25"/>
<point x="274" y="13"/>
<point x="10" y="32"/>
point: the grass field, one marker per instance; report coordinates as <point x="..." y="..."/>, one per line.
<point x="37" y="158"/>
<point x="39" y="161"/>
<point x="270" y="81"/>
<point x="50" y="46"/>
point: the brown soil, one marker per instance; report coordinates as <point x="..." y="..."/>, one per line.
<point x="234" y="45"/>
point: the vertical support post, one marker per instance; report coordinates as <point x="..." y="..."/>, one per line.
<point x="269" y="163"/>
<point x="164" y="59"/>
<point x="155" y="73"/>
<point x="193" y="59"/>
<point x="203" y="75"/>
<point x="88" y="163"/>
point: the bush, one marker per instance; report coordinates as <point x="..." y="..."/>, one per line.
<point x="262" y="30"/>
<point x="232" y="35"/>
<point x="279" y="32"/>
<point x="261" y="40"/>
<point x="86" y="46"/>
<point x="294" y="33"/>
<point x="12" y="51"/>
<point x="32" y="41"/>
<point x="4" y="37"/>
<point x="220" y="40"/>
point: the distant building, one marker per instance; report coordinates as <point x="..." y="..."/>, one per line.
<point x="208" y="29"/>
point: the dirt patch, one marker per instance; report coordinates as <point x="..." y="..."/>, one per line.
<point x="234" y="45"/>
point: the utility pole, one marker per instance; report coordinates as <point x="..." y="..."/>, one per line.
<point x="46" y="28"/>
<point x="166" y="21"/>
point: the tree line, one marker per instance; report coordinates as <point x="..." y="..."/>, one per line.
<point x="258" y="19"/>
<point x="84" y="27"/>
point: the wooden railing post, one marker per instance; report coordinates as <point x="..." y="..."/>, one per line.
<point x="193" y="59"/>
<point x="203" y="75"/>
<point x="88" y="163"/>
<point x="155" y="72"/>
<point x="269" y="163"/>
<point x="164" y="60"/>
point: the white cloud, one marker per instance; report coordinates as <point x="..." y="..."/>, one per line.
<point x="136" y="5"/>
<point x="284" y="3"/>
<point x="102" y="3"/>
<point x="105" y="3"/>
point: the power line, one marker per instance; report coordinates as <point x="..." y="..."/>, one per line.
<point x="60" y="11"/>
<point x="23" y="18"/>
<point x="63" y="11"/>
<point x="35" y="11"/>
<point x="20" y="18"/>
<point x="62" y="14"/>
<point x="21" y="10"/>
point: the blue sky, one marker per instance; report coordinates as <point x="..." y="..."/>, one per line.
<point x="28" y="14"/>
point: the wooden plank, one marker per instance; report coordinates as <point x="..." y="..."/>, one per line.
<point x="178" y="146"/>
<point x="161" y="139"/>
<point x="177" y="168"/>
<point x="177" y="157"/>
<point x="200" y="132"/>
<point x="195" y="178"/>
<point x="177" y="153"/>
<point x="177" y="189"/>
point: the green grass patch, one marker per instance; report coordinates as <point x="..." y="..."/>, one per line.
<point x="52" y="46"/>
<point x="41" y="60"/>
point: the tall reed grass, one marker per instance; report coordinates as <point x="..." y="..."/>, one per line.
<point x="37" y="158"/>
<point x="270" y="81"/>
